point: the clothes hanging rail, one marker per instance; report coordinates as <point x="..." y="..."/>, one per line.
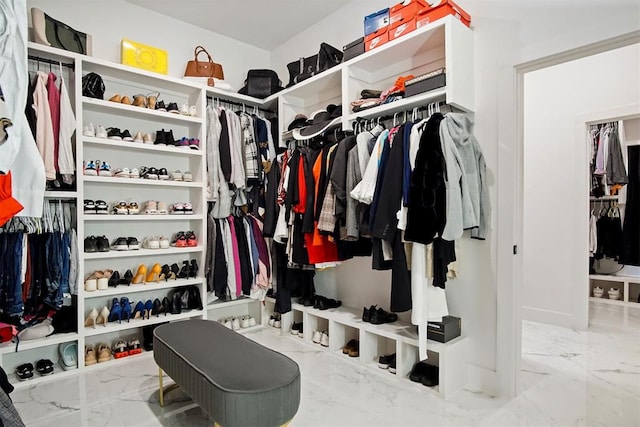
<point x="238" y="104"/>
<point x="51" y="61"/>
<point x="404" y="115"/>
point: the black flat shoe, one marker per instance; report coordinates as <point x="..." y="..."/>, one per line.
<point x="379" y="316"/>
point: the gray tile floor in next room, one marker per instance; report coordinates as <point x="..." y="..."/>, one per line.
<point x="570" y="378"/>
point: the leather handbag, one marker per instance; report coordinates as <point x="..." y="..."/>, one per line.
<point x="93" y="86"/>
<point x="207" y="69"/>
<point x="51" y="32"/>
<point x="327" y="57"/>
<point x="261" y="83"/>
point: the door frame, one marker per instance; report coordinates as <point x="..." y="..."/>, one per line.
<point x="509" y="326"/>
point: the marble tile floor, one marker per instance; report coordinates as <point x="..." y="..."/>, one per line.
<point x="569" y="378"/>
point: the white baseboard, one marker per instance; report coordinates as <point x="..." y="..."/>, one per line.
<point x="550" y="317"/>
<point x="482" y="380"/>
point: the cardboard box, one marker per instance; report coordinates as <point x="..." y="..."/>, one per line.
<point x="426" y="82"/>
<point x="405" y="11"/>
<point x="444" y="331"/>
<point x="442" y="9"/>
<point x="402" y="29"/>
<point x="353" y="49"/>
<point x="376" y="39"/>
<point x="376" y="21"/>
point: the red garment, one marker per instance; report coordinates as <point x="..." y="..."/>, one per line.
<point x="319" y="247"/>
<point x="302" y="189"/>
<point x="54" y="106"/>
<point x="8" y="205"/>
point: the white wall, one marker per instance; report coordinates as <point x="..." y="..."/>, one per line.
<point x="506" y="33"/>
<point x="556" y="177"/>
<point x="110" y="21"/>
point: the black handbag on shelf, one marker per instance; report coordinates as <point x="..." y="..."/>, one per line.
<point x="304" y="68"/>
<point x="261" y="83"/>
<point x="93" y="86"/>
<point x="51" y="32"/>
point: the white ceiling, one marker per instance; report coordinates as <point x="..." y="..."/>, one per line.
<point x="262" y="23"/>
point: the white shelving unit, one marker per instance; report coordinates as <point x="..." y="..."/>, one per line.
<point x="444" y="43"/>
<point x="345" y="323"/>
<point x="629" y="287"/>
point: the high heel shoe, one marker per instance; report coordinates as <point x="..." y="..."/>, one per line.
<point x="126" y="279"/>
<point x="176" y="302"/>
<point x="184" y="271"/>
<point x="166" y="305"/>
<point x="140" y="275"/>
<point x="193" y="268"/>
<point x="164" y="272"/>
<point x="175" y="270"/>
<point x="154" y="273"/>
<point x="138" y="310"/>
<point x="126" y="308"/>
<point x="114" y="280"/>
<point x="157" y="307"/>
<point x="103" y="317"/>
<point x="116" y="311"/>
<point x="91" y="318"/>
<point x="103" y="282"/>
<point x="148" y="307"/>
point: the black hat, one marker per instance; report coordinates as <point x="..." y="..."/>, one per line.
<point x="300" y="120"/>
<point x="319" y="122"/>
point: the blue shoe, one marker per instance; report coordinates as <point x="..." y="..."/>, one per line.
<point x="138" y="310"/>
<point x="116" y="311"/>
<point x="126" y="308"/>
<point x="148" y="307"/>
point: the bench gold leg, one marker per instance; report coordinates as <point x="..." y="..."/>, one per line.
<point x="161" y="387"/>
<point x="284" y="425"/>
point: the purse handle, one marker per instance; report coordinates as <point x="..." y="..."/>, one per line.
<point x="197" y="51"/>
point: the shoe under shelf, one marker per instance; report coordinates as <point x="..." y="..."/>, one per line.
<point x="142" y="252"/>
<point x="138" y="323"/>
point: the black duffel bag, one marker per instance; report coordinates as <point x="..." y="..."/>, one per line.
<point x="327" y="57"/>
<point x="261" y="83"/>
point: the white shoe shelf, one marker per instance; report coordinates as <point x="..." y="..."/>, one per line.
<point x="345" y="323"/>
<point x="443" y="43"/>
<point x="629" y="289"/>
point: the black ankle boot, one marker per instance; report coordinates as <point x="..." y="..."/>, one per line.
<point x="184" y="271"/>
<point x="193" y="268"/>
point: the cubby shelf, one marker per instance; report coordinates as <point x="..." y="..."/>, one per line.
<point x="60" y="194"/>
<point x="628" y="299"/>
<point x="151" y="148"/>
<point x="58" y="373"/>
<point x="10" y="347"/>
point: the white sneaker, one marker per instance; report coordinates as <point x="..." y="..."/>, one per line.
<point x="271" y="321"/>
<point x="598" y="292"/>
<point x="252" y="321"/>
<point x="324" y="340"/>
<point x="101" y="132"/>
<point x="151" y="208"/>
<point x="244" y="322"/>
<point x="151" y="242"/>
<point x="176" y="176"/>
<point x="193" y="111"/>
<point x="138" y="138"/>
<point x="89" y="130"/>
<point x="165" y="244"/>
<point x="184" y="110"/>
<point x="235" y="324"/>
<point x="188" y="208"/>
<point x="317" y="336"/>
<point x="134" y="173"/>
<point x="228" y="323"/>
<point x="122" y="173"/>
<point x="277" y="324"/>
<point x="187" y="177"/>
<point x="120" y="208"/>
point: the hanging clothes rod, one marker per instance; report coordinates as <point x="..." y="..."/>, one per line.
<point x="407" y="113"/>
<point x="239" y="104"/>
<point x="51" y="61"/>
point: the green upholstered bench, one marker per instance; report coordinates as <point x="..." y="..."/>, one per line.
<point x="235" y="380"/>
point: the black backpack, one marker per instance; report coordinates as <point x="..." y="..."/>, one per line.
<point x="93" y="86"/>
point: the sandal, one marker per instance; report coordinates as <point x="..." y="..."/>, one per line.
<point x="44" y="367"/>
<point x="152" y="98"/>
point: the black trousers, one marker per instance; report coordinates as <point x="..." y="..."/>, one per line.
<point x="631" y="228"/>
